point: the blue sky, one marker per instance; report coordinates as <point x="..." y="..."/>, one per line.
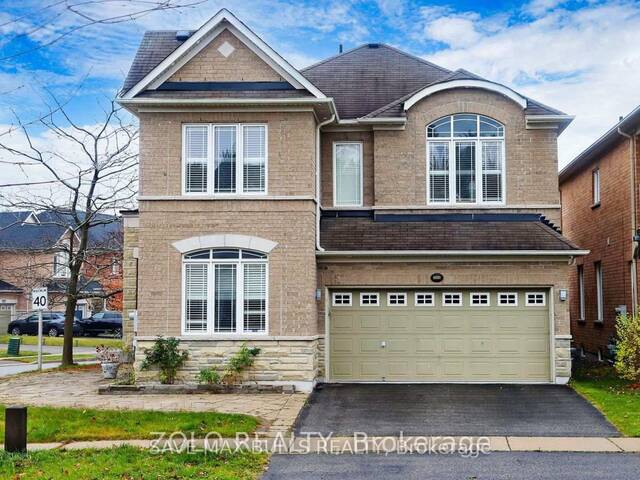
<point x="581" y="57"/>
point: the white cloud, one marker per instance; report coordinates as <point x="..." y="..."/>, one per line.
<point x="454" y="31"/>
<point x="539" y="7"/>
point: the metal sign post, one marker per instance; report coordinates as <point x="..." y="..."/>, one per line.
<point x="39" y="302"/>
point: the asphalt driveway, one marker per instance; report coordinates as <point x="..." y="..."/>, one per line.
<point x="449" y="409"/>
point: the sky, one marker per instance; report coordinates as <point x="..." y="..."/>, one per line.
<point x="581" y="57"/>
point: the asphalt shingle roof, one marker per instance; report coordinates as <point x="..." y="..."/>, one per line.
<point x="8" y="287"/>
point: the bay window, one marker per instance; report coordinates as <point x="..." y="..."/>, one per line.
<point x="225" y="159"/>
<point x="225" y="291"/>
<point x="465" y="160"/>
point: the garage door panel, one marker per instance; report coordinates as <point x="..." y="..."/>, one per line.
<point x="440" y="343"/>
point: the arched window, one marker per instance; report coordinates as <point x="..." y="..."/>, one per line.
<point x="465" y="160"/>
<point x="224" y="291"/>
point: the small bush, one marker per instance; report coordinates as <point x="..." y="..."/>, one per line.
<point x="210" y="376"/>
<point x="627" y="362"/>
<point x="165" y="355"/>
<point x="236" y="364"/>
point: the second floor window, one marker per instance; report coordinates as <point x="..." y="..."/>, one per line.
<point x="61" y="264"/>
<point x="347" y="174"/>
<point x="225" y="159"/>
<point x="596" y="186"/>
<point x="465" y="160"/>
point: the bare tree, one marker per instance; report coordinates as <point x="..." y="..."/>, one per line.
<point x="80" y="180"/>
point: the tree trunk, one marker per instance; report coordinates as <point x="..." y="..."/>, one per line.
<point x="69" y="316"/>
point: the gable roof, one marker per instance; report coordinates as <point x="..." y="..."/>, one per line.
<point x="8" y="287"/>
<point x="628" y="125"/>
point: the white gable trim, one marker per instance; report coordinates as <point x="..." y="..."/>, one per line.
<point x="203" y="36"/>
<point x="224" y="240"/>
<point x="483" y="84"/>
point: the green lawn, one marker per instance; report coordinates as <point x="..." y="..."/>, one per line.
<point x="58" y="341"/>
<point x="23" y="353"/>
<point x="611" y="396"/>
<point x="128" y="463"/>
<point x="27" y="356"/>
<point x="48" y="424"/>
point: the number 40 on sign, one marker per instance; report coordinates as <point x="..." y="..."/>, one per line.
<point x="39" y="298"/>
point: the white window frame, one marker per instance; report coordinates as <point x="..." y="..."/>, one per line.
<point x="599" y="293"/>
<point x="502" y="303"/>
<point x="377" y="297"/>
<point x="61" y="268"/>
<point x="211" y="262"/>
<point x="335" y="177"/>
<point x="528" y="303"/>
<point x="431" y="295"/>
<point x="460" y="302"/>
<point x="596" y="185"/>
<point x="478" y="140"/>
<point x="239" y="186"/>
<point x="334" y="295"/>
<point x="404" y="299"/>
<point x="484" y="294"/>
<point x="581" y="297"/>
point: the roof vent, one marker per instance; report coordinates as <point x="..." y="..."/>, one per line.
<point x="374" y="45"/>
<point x="182" y="35"/>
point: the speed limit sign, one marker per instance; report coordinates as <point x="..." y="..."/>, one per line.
<point x="39" y="298"/>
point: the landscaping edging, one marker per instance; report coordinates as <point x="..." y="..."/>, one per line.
<point x="186" y="389"/>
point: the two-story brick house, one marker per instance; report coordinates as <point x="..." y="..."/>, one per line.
<point x="600" y="194"/>
<point x="371" y="218"/>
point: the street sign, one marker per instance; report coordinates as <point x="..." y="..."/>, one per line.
<point x="39" y="298"/>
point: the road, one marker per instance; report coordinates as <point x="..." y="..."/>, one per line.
<point x="494" y="466"/>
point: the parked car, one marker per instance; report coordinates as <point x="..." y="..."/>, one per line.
<point x="104" y="322"/>
<point x="52" y="324"/>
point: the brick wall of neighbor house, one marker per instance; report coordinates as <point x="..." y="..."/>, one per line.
<point x="326" y="164"/>
<point x="606" y="231"/>
<point x="26" y="270"/>
<point x="511" y="273"/>
<point x="531" y="155"/>
<point x="210" y="65"/>
<point x="291" y="150"/>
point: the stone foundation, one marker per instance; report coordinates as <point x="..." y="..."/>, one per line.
<point x="563" y="359"/>
<point x="280" y="361"/>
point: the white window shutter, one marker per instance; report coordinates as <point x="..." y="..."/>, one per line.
<point x="196" y="297"/>
<point x="255" y="297"/>
<point x="196" y="158"/>
<point x="254" y="150"/>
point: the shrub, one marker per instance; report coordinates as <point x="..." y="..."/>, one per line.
<point x="628" y="347"/>
<point x="165" y="355"/>
<point x="238" y="362"/>
<point x="209" y="375"/>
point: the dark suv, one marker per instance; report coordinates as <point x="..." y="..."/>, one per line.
<point x="102" y="323"/>
<point x="52" y="324"/>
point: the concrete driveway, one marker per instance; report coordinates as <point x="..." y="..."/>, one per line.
<point x="448" y="409"/>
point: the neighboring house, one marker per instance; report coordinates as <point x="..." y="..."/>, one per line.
<point x="600" y="213"/>
<point x="34" y="251"/>
<point x="373" y="217"/>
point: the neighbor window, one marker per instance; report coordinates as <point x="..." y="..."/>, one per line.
<point x="347" y="174"/>
<point x="451" y="299"/>
<point x="369" y="299"/>
<point x="599" y="292"/>
<point x="396" y="299"/>
<point x="465" y="160"/>
<point x="225" y="159"/>
<point x="424" y="299"/>
<point x="596" y="186"/>
<point x="225" y="291"/>
<point x="508" y="299"/>
<point x="581" y="299"/>
<point x="61" y="264"/>
<point x="342" y="299"/>
<point x="536" y="299"/>
<point x="480" y="299"/>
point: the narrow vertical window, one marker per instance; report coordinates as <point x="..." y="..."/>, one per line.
<point x="596" y="186"/>
<point x="225" y="298"/>
<point x="196" y="291"/>
<point x="61" y="264"/>
<point x="599" y="292"/>
<point x="224" y="159"/>
<point x="196" y="151"/>
<point x="491" y="171"/>
<point x="465" y="172"/>
<point x="255" y="297"/>
<point x="254" y="158"/>
<point x="347" y="170"/>
<point x="581" y="291"/>
<point x="438" y="172"/>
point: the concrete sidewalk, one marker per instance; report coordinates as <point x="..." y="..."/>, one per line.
<point x="342" y="445"/>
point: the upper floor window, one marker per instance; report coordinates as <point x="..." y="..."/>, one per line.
<point x="225" y="291"/>
<point x="347" y="174"/>
<point x="225" y="159"/>
<point x="465" y="160"/>
<point x="61" y="264"/>
<point x="596" y="186"/>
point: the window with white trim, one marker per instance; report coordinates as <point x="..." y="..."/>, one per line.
<point x="61" y="264"/>
<point x="424" y="299"/>
<point x="465" y="160"/>
<point x="581" y="299"/>
<point x="369" y="299"/>
<point x="480" y="299"/>
<point x="347" y="174"/>
<point x="225" y="291"/>
<point x="599" y="292"/>
<point x="341" y="299"/>
<point x="396" y="299"/>
<point x="451" y="299"/>
<point x="595" y="177"/>
<point x="225" y="159"/>
<point x="508" y="299"/>
<point x="535" y="299"/>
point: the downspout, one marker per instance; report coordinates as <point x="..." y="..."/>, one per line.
<point x="634" y="219"/>
<point x="318" y="185"/>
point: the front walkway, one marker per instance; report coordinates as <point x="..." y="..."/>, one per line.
<point x="79" y="389"/>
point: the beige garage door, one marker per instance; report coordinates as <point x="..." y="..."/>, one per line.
<point x="479" y="335"/>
